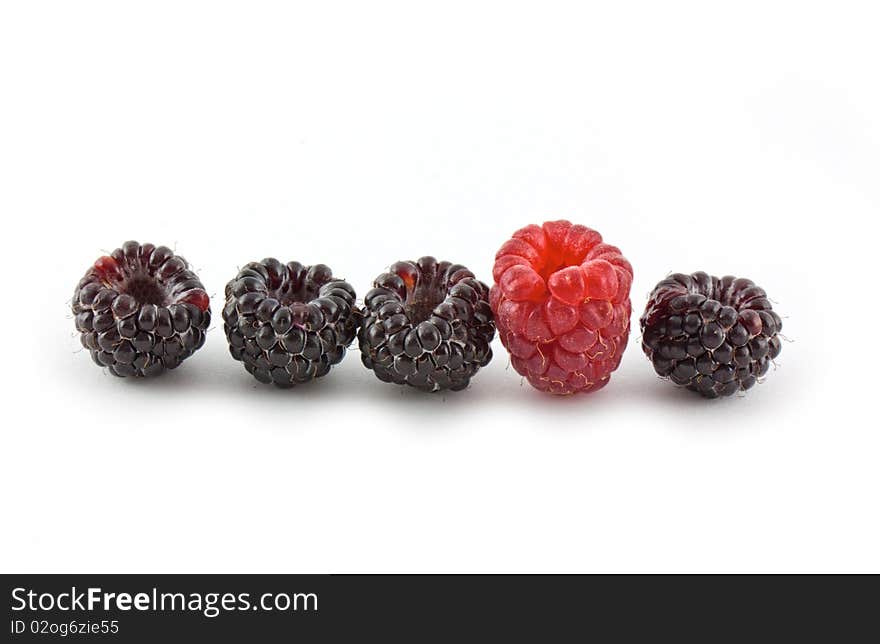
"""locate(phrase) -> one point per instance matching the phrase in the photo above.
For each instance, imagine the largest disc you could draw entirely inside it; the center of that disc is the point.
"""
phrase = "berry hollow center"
(423, 298)
(146, 290)
(291, 293)
(557, 258)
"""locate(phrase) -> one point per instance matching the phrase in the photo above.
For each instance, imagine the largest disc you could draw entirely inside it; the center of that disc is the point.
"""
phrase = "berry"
(288, 323)
(714, 336)
(427, 324)
(141, 310)
(561, 303)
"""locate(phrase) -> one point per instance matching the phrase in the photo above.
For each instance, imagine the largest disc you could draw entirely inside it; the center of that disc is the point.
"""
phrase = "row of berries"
(428, 324)
(561, 304)
(425, 324)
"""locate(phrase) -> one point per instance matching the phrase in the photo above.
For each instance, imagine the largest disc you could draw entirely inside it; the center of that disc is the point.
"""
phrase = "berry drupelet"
(714, 336)
(427, 324)
(289, 323)
(141, 310)
(561, 303)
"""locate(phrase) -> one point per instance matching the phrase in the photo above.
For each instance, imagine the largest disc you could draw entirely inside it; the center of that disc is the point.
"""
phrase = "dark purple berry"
(713, 336)
(141, 310)
(289, 323)
(427, 324)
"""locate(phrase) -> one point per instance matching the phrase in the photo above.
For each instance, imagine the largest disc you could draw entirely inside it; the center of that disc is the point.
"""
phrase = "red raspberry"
(561, 305)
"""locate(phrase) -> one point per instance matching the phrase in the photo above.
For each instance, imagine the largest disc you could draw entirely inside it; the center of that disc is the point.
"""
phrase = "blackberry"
(289, 323)
(427, 324)
(713, 336)
(141, 310)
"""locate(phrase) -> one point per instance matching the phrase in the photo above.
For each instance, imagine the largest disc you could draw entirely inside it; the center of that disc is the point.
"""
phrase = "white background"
(734, 138)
